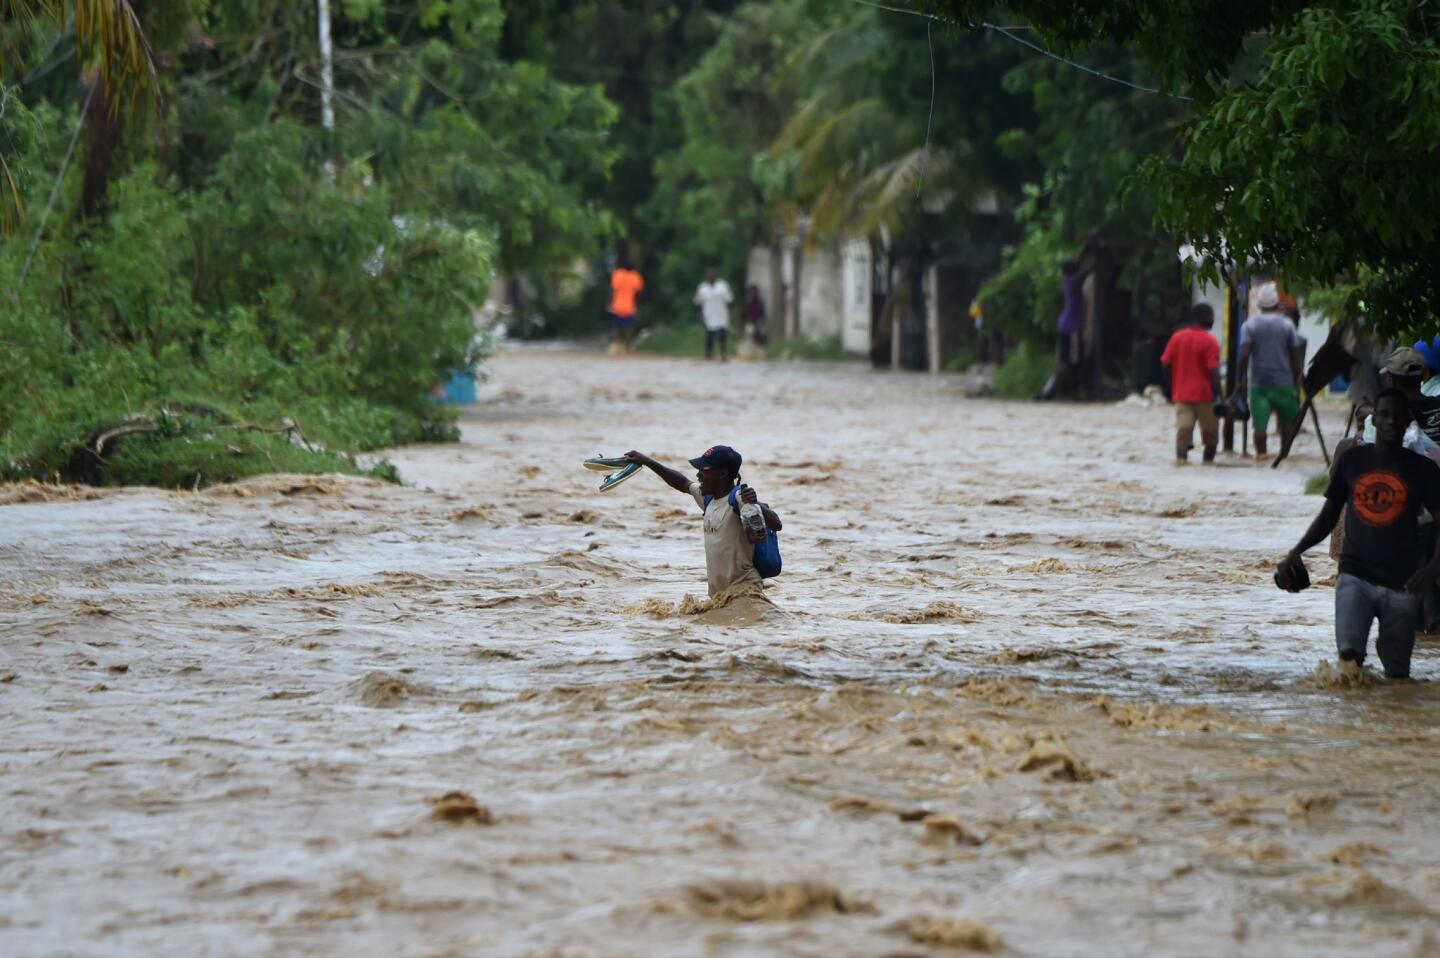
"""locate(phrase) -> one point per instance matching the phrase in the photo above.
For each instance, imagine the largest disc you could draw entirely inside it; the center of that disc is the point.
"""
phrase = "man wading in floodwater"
(1192, 367)
(729, 554)
(1385, 486)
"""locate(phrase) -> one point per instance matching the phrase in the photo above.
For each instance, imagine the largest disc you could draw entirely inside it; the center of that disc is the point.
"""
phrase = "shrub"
(1023, 373)
(686, 340)
(804, 348)
(217, 316)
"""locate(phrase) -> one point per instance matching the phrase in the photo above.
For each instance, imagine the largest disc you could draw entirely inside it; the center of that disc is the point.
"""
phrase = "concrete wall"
(857, 279)
(762, 270)
(835, 284)
(821, 292)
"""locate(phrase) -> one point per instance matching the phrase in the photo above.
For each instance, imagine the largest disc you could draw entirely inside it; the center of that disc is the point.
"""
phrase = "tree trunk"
(104, 134)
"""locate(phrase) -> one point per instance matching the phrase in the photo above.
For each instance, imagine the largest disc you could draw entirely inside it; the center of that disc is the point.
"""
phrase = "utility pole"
(932, 319)
(327, 68)
(1232, 351)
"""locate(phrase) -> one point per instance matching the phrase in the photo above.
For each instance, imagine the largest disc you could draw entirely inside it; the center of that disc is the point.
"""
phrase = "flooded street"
(1028, 688)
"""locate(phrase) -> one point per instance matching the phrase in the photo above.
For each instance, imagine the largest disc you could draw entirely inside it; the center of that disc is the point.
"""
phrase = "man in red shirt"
(1192, 367)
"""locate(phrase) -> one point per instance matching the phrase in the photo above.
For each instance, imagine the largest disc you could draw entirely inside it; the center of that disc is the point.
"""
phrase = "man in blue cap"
(1427, 402)
(729, 554)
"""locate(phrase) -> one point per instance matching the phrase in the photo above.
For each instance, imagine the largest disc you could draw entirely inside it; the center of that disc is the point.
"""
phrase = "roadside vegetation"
(202, 282)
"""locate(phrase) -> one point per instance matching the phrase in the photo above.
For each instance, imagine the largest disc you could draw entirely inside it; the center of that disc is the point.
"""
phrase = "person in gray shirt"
(1269, 345)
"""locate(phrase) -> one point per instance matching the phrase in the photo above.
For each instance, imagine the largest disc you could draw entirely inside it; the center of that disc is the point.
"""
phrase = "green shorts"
(1283, 399)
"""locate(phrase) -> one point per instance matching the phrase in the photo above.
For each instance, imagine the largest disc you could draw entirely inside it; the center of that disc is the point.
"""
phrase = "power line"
(881, 6)
(1080, 66)
(1009, 34)
(925, 157)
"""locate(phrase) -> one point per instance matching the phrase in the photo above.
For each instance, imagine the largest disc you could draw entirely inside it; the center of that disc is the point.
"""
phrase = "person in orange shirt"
(625, 285)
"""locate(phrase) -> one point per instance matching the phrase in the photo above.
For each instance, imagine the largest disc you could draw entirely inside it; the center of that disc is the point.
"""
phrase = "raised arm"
(673, 477)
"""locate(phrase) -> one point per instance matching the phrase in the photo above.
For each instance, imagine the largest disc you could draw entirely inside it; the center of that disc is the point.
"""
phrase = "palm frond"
(837, 137)
(887, 196)
(109, 30)
(831, 209)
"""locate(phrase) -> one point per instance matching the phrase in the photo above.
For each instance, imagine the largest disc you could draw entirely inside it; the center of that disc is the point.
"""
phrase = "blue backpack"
(767, 550)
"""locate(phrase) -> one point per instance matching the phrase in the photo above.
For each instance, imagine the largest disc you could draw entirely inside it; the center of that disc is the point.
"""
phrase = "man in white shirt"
(714, 298)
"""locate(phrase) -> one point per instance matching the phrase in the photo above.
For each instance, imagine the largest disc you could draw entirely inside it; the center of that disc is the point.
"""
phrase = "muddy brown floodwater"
(1029, 690)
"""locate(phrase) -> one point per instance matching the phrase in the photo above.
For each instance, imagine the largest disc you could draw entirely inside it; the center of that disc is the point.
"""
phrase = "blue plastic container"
(460, 390)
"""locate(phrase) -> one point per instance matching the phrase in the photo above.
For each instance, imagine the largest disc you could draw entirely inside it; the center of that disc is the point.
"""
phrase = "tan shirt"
(729, 554)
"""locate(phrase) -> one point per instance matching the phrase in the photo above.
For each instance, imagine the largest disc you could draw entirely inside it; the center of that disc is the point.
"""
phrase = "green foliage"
(1024, 372)
(431, 104)
(673, 340)
(269, 295)
(689, 340)
(961, 358)
(709, 203)
(1024, 299)
(1322, 165)
(1184, 41)
(204, 454)
(233, 261)
(1310, 146)
(639, 53)
(1317, 484)
(1088, 139)
(803, 348)
(859, 137)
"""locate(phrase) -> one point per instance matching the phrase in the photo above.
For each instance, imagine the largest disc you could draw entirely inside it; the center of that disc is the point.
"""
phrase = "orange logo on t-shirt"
(1379, 497)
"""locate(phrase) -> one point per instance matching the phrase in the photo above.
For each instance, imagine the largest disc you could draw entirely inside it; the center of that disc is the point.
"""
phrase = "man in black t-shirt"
(1385, 486)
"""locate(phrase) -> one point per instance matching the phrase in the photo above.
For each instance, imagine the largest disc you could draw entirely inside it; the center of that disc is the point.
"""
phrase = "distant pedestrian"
(625, 286)
(1268, 346)
(714, 298)
(1427, 406)
(755, 314)
(1192, 367)
(1068, 353)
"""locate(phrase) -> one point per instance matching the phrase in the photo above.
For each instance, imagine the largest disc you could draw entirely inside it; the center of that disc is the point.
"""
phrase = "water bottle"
(752, 519)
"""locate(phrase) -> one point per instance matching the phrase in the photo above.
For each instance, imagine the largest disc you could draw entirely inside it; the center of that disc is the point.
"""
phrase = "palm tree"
(108, 31)
(860, 156)
(868, 162)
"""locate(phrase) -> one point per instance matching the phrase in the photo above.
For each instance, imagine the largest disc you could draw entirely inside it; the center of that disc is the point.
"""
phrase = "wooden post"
(790, 283)
(1232, 354)
(932, 320)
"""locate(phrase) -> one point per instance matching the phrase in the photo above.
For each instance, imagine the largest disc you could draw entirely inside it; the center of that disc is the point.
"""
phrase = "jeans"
(713, 336)
(1357, 604)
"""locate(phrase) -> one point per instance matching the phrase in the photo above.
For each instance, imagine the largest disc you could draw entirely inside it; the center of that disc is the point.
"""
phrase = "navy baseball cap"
(718, 457)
